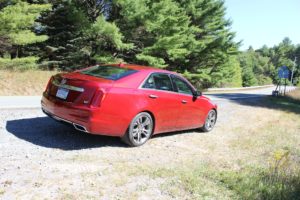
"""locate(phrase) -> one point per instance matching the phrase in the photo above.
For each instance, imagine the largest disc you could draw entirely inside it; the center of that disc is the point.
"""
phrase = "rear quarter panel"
(120, 104)
(118, 108)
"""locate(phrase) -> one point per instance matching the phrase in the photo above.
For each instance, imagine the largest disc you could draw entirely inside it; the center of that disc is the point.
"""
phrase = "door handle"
(184, 101)
(152, 96)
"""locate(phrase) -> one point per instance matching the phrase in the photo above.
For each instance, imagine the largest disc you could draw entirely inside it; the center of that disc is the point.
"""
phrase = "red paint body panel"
(120, 101)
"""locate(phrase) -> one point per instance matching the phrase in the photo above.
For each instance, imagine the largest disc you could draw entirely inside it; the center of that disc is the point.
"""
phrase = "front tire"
(139, 130)
(210, 121)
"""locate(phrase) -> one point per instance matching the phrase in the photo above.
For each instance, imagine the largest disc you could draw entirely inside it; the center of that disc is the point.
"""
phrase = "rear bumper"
(82, 118)
(63, 111)
(76, 126)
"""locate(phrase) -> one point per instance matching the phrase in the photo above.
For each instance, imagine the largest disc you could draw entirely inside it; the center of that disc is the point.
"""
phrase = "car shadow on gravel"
(46, 132)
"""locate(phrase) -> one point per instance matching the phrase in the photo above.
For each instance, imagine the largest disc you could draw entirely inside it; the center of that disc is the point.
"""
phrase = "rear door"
(162, 101)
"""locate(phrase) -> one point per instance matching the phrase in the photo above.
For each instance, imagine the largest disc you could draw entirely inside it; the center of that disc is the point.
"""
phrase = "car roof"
(134, 80)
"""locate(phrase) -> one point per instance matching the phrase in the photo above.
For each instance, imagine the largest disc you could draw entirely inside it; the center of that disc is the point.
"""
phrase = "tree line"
(260, 66)
(192, 37)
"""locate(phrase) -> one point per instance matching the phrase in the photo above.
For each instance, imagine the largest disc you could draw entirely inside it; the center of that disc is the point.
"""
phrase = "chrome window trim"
(167, 91)
(152, 73)
(69, 87)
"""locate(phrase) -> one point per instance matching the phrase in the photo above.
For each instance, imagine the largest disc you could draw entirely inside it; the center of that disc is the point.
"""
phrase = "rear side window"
(108, 72)
(159, 82)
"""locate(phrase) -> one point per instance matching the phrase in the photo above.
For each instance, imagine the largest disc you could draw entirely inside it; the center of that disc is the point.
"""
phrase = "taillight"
(48, 84)
(97, 99)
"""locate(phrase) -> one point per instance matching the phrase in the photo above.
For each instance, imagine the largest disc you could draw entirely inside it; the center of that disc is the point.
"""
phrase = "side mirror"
(197, 94)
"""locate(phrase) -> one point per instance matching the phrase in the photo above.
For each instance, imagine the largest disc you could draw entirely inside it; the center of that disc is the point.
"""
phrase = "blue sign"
(284, 72)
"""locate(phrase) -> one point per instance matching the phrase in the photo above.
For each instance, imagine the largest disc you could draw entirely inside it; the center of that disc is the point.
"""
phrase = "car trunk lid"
(76, 88)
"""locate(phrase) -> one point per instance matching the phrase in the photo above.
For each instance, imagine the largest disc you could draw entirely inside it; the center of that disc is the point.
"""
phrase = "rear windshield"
(108, 72)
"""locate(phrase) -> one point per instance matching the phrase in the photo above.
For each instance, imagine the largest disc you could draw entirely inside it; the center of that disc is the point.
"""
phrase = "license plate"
(62, 93)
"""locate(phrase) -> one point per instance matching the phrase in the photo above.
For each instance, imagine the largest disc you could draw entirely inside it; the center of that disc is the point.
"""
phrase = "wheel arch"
(146, 111)
(215, 109)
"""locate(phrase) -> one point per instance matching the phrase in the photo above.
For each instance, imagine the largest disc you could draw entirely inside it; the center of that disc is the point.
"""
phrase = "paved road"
(256, 93)
(34, 101)
(20, 102)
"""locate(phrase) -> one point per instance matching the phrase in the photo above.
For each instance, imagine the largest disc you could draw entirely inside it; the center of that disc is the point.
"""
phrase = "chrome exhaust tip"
(80, 128)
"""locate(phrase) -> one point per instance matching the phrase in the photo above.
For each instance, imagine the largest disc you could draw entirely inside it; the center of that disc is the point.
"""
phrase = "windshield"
(108, 72)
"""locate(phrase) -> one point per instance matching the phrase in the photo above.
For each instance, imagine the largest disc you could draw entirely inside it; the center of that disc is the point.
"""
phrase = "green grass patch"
(279, 179)
(247, 183)
(255, 183)
(25, 63)
(290, 104)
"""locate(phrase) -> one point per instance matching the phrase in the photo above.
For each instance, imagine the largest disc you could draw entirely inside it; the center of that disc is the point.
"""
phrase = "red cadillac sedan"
(129, 101)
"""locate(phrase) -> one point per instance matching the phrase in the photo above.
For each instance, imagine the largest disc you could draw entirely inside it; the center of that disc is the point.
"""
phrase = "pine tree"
(79, 35)
(17, 20)
(64, 25)
(228, 75)
(214, 41)
(247, 65)
(191, 37)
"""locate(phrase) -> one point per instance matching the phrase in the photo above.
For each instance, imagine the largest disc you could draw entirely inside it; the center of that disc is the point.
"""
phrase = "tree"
(16, 23)
(191, 37)
(256, 68)
(5, 45)
(64, 25)
(247, 65)
(214, 40)
(283, 53)
(105, 41)
(229, 74)
(79, 35)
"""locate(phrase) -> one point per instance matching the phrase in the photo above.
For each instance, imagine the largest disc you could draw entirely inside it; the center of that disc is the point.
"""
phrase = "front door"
(189, 107)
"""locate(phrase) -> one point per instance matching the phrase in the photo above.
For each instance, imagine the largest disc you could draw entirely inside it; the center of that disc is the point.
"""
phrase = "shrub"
(25, 63)
(264, 80)
(279, 181)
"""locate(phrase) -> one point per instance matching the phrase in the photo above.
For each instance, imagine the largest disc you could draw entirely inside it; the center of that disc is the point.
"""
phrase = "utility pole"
(295, 60)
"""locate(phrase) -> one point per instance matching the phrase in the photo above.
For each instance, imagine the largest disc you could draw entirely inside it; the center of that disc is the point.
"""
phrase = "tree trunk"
(17, 52)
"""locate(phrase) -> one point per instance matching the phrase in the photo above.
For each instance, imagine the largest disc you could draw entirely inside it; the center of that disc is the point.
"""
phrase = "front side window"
(108, 72)
(159, 82)
(182, 86)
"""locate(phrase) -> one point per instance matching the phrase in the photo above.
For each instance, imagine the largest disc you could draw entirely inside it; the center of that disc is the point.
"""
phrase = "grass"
(23, 83)
(256, 183)
(289, 103)
(295, 95)
(252, 182)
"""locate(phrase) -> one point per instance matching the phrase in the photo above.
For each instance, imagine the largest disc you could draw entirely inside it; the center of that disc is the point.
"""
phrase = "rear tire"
(139, 130)
(210, 121)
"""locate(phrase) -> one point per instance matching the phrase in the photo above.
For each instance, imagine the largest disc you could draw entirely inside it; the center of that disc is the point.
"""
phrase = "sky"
(259, 22)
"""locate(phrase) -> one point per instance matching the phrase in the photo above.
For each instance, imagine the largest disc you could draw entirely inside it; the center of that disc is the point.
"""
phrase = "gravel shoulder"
(42, 158)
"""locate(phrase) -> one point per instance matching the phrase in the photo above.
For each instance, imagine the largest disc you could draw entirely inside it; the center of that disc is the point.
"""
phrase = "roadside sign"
(284, 72)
